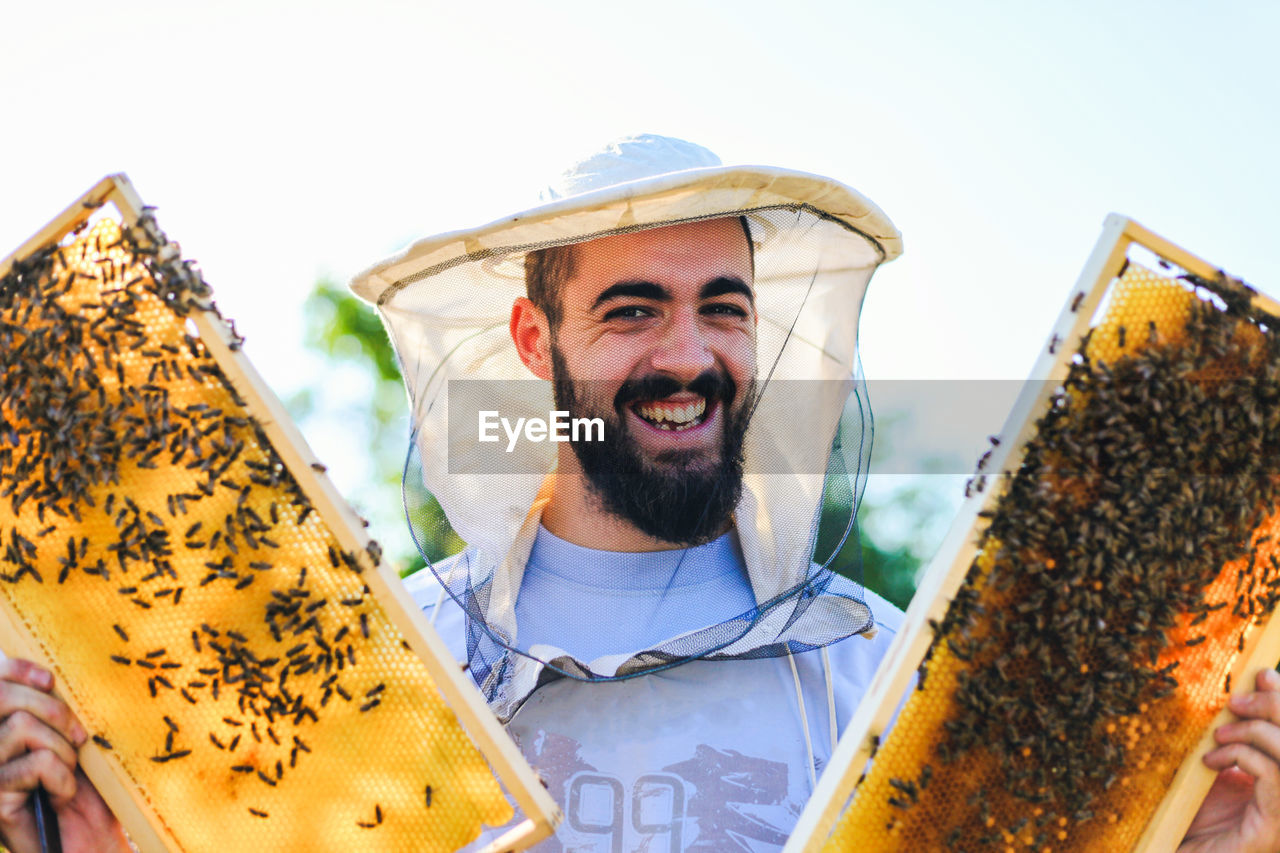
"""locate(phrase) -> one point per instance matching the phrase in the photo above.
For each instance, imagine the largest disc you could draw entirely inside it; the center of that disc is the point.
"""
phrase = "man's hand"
(1241, 814)
(38, 740)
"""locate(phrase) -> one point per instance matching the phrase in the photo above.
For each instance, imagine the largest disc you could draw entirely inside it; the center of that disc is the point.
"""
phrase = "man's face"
(658, 338)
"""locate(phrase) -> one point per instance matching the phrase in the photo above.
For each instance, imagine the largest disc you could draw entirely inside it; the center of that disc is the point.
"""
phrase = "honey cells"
(1119, 578)
(202, 619)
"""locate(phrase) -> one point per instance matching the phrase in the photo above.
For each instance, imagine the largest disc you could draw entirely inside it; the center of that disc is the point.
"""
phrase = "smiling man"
(653, 625)
(655, 333)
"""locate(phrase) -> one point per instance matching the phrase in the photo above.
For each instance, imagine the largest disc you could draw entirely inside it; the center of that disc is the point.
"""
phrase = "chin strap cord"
(435, 611)
(831, 700)
(804, 720)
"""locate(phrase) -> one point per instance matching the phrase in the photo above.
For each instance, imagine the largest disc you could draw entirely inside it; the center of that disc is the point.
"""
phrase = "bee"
(908, 788)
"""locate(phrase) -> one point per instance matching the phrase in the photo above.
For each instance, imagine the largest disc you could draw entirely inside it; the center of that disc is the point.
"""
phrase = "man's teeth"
(671, 416)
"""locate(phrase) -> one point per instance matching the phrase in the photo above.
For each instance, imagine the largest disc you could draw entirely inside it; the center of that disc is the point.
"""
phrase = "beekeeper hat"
(446, 302)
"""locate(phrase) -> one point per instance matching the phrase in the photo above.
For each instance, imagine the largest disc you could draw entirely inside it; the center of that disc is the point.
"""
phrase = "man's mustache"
(713, 385)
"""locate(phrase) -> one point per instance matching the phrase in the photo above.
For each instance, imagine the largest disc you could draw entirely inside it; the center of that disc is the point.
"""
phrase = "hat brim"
(677, 197)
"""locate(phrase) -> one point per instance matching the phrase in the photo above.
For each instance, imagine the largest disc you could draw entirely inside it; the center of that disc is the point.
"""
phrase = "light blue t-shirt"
(705, 756)
(593, 603)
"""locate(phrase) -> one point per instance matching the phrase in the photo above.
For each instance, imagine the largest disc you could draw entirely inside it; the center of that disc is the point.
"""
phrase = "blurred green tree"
(370, 409)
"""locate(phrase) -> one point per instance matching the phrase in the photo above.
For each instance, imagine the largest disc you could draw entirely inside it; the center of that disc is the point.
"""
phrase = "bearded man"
(669, 670)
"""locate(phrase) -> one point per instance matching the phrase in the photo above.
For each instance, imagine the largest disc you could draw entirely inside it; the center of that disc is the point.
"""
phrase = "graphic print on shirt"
(716, 800)
(727, 786)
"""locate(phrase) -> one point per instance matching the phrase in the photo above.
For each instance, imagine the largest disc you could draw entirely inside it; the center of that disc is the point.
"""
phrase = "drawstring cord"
(833, 731)
(831, 700)
(804, 720)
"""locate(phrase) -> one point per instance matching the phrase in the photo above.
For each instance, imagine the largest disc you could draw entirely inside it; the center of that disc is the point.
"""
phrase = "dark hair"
(546, 271)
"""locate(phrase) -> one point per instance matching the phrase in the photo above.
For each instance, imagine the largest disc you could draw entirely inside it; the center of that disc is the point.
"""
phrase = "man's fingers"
(26, 672)
(1262, 705)
(51, 711)
(1268, 679)
(22, 732)
(1250, 760)
(36, 768)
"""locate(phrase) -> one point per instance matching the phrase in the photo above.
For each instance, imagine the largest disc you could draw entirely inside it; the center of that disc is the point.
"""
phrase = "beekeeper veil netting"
(790, 405)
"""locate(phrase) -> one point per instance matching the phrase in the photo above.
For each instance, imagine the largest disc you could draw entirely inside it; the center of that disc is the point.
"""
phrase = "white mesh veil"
(447, 301)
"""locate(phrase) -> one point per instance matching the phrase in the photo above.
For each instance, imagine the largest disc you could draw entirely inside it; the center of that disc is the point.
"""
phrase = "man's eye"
(725, 309)
(628, 312)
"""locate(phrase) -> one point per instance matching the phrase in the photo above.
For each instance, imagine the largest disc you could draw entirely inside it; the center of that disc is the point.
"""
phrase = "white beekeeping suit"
(683, 721)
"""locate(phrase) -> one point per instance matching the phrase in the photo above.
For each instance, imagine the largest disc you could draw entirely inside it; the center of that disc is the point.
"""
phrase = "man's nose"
(684, 351)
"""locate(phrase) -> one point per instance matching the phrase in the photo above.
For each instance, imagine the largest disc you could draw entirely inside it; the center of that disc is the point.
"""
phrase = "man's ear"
(531, 333)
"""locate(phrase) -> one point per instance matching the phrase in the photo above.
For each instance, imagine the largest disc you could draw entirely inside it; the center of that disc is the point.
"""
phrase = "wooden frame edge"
(77, 212)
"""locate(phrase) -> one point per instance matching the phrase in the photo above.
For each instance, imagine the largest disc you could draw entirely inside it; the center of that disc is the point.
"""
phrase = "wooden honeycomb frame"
(1168, 824)
(541, 814)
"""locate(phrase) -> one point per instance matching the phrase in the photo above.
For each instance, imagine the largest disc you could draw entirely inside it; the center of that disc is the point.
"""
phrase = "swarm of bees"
(1124, 568)
(203, 620)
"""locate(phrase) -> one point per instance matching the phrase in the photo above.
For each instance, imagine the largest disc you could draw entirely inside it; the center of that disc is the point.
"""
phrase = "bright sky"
(285, 141)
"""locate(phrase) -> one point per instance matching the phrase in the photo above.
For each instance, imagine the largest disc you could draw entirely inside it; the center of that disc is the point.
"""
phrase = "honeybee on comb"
(170, 551)
(1090, 610)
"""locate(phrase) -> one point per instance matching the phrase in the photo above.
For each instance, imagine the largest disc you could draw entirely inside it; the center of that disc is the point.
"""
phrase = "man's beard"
(671, 498)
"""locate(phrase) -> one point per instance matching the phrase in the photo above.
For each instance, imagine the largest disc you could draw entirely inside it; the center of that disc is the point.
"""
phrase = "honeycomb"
(1121, 575)
(201, 617)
